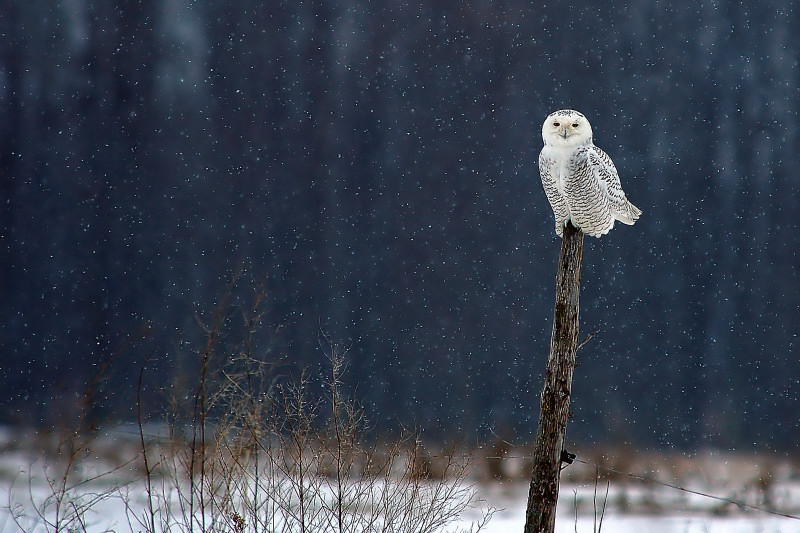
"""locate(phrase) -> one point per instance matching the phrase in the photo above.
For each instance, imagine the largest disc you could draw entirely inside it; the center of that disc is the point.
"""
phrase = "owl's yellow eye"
(575, 125)
(556, 124)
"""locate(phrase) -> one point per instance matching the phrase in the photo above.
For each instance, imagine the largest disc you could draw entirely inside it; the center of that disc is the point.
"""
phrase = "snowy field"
(109, 491)
(697, 518)
(109, 514)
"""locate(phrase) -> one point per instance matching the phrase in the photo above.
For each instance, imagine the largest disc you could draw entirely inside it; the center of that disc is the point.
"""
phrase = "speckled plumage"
(579, 179)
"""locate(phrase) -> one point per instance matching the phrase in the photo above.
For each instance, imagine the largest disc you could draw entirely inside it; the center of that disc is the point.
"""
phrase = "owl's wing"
(606, 174)
(608, 178)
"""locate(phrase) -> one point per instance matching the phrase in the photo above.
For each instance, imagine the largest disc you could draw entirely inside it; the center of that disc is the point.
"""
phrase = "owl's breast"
(560, 166)
(562, 174)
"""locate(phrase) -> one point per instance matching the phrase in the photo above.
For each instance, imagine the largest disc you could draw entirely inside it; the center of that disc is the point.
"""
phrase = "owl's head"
(566, 128)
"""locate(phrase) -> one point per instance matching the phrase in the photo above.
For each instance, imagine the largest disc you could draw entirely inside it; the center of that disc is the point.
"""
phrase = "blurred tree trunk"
(540, 515)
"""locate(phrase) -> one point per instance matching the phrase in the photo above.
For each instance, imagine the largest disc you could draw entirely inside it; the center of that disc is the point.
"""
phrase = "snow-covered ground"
(111, 493)
(509, 499)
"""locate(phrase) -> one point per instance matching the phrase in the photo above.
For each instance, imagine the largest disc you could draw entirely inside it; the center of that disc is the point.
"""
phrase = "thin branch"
(589, 337)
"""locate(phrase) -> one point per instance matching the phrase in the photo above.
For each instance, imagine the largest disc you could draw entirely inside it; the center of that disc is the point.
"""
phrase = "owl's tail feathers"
(628, 213)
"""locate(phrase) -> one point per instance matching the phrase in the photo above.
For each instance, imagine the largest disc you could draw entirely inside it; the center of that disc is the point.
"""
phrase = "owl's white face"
(566, 128)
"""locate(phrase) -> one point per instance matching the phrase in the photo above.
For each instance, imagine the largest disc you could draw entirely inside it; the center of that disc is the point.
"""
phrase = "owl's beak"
(564, 133)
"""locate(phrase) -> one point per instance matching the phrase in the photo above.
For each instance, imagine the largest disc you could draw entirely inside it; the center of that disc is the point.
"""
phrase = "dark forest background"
(373, 165)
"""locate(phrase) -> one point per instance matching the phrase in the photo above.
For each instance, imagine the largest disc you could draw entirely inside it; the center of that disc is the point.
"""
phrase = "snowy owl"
(580, 180)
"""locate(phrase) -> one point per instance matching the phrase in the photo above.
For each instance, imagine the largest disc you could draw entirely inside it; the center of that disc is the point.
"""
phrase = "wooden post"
(540, 516)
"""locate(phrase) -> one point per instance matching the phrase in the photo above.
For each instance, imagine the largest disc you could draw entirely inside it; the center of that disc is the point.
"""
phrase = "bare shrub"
(64, 503)
(65, 478)
(257, 453)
